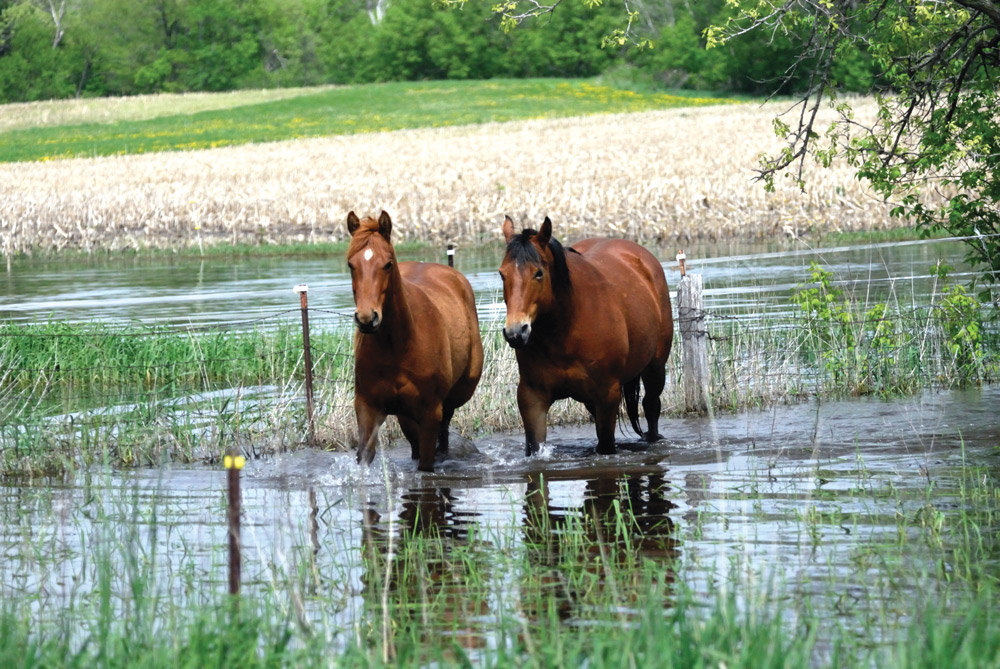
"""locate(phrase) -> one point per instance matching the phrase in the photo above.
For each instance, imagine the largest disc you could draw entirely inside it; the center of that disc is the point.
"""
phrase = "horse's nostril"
(524, 329)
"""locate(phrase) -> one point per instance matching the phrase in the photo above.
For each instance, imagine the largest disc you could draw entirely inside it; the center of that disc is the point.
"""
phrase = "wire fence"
(140, 393)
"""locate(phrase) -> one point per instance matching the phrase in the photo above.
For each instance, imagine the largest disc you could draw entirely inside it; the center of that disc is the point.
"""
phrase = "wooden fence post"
(451, 255)
(233, 464)
(694, 340)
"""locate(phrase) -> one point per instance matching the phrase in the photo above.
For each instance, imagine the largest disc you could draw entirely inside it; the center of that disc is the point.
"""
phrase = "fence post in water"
(694, 339)
(234, 463)
(451, 255)
(303, 291)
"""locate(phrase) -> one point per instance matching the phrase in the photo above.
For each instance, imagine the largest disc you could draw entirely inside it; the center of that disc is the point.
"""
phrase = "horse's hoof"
(653, 437)
(606, 449)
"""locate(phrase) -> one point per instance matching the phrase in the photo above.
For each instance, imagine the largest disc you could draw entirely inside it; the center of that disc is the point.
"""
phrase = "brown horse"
(588, 323)
(418, 354)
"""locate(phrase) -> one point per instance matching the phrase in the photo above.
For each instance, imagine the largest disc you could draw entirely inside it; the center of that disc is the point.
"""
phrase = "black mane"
(521, 250)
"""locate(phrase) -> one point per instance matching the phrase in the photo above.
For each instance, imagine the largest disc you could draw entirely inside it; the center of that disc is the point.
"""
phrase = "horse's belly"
(394, 396)
(574, 380)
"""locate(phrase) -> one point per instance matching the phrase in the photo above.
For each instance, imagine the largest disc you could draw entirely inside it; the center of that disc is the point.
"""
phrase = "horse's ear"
(508, 229)
(545, 233)
(352, 223)
(384, 225)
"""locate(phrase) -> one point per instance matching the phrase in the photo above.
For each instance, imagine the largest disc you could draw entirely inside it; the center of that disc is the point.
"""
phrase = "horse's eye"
(538, 275)
(501, 276)
(388, 266)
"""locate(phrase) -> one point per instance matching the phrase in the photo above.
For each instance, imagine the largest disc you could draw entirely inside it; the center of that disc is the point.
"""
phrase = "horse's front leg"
(533, 404)
(369, 420)
(606, 418)
(430, 425)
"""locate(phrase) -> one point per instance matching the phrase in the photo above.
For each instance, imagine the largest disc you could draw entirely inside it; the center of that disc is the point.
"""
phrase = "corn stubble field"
(658, 176)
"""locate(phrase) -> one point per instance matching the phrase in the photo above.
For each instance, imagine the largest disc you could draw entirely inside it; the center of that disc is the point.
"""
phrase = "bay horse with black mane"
(589, 323)
(418, 354)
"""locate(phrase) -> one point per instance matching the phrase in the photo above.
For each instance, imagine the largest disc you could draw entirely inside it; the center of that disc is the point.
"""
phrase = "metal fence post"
(303, 291)
(694, 340)
(451, 255)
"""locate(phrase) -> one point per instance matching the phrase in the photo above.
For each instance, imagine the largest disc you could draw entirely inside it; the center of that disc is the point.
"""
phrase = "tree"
(33, 62)
(931, 63)
(937, 128)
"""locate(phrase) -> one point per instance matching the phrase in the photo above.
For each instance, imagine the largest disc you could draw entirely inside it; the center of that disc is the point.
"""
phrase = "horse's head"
(372, 261)
(533, 272)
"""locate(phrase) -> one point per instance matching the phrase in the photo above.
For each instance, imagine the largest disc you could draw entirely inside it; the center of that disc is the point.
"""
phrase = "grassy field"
(116, 128)
(597, 160)
(92, 111)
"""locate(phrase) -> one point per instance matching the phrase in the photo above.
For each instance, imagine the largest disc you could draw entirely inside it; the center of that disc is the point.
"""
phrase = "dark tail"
(630, 393)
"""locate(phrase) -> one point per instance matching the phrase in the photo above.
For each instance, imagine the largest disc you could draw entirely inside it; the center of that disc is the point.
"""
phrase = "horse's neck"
(567, 307)
(396, 312)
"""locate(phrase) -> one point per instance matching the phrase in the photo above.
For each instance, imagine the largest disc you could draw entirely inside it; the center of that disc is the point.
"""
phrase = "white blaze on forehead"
(368, 254)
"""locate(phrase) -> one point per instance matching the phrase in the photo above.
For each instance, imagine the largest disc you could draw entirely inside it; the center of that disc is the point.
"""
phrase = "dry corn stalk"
(659, 176)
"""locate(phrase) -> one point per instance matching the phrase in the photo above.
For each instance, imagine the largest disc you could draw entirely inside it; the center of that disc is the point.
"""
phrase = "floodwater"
(800, 496)
(744, 278)
(793, 495)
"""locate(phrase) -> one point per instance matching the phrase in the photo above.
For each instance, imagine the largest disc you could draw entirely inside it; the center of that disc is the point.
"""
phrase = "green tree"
(937, 128)
(567, 43)
(35, 63)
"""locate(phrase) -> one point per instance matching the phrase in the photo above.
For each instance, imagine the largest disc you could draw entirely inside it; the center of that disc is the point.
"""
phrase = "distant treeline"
(67, 48)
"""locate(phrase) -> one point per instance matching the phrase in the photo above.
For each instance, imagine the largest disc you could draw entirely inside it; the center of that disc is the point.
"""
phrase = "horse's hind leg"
(654, 378)
(606, 417)
(442, 442)
(430, 426)
(411, 430)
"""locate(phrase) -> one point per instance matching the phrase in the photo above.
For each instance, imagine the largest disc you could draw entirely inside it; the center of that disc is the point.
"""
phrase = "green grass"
(337, 111)
(100, 355)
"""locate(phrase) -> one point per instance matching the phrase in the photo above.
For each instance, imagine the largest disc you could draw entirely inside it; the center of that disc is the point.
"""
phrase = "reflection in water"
(424, 577)
(623, 519)
(428, 576)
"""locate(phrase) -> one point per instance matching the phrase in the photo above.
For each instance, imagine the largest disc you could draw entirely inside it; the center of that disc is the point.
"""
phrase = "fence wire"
(61, 382)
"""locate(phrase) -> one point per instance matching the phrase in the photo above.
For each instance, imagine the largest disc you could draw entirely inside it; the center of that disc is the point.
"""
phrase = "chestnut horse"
(418, 354)
(587, 323)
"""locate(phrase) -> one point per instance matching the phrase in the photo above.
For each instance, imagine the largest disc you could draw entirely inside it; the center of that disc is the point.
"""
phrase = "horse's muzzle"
(369, 325)
(517, 335)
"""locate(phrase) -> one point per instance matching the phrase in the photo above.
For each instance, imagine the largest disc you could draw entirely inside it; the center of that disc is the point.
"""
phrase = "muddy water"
(795, 496)
(748, 278)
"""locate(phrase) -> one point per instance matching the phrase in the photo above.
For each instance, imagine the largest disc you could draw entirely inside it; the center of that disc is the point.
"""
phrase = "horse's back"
(446, 287)
(623, 262)
(443, 299)
(638, 283)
